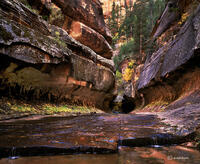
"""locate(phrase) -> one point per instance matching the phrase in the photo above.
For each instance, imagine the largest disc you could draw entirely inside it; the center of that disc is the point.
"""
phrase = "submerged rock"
(43, 61)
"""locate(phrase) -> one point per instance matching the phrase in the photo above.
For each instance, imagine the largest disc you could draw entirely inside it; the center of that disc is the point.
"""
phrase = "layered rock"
(170, 77)
(83, 20)
(42, 61)
(88, 37)
(180, 47)
(88, 12)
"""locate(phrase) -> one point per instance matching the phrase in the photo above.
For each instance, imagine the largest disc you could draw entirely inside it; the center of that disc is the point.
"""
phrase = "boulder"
(42, 61)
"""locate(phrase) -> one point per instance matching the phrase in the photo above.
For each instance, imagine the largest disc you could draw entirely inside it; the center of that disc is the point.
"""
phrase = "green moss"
(26, 34)
(5, 34)
(51, 109)
(59, 41)
(57, 33)
(45, 17)
(23, 108)
(48, 108)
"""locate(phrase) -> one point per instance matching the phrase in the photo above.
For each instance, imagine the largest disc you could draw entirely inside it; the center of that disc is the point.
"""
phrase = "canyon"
(59, 51)
(69, 62)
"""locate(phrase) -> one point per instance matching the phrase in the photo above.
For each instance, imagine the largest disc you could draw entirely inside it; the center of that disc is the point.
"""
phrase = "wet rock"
(83, 131)
(15, 153)
(97, 133)
(158, 139)
(169, 77)
(184, 113)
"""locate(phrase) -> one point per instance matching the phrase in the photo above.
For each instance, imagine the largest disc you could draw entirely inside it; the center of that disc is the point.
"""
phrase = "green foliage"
(134, 28)
(45, 17)
(23, 107)
(119, 78)
(51, 109)
(131, 64)
(58, 39)
(25, 2)
(56, 15)
(126, 50)
(118, 75)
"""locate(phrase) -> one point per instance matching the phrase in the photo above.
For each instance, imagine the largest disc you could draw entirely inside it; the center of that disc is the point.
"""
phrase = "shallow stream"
(89, 139)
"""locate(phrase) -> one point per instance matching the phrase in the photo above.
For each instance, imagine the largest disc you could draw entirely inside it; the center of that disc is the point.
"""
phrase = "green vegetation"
(58, 39)
(125, 76)
(45, 108)
(126, 51)
(133, 28)
(4, 34)
(119, 81)
(56, 15)
(50, 109)
(25, 2)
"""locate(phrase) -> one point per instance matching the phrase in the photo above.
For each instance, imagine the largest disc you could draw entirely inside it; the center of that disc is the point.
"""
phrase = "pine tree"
(136, 26)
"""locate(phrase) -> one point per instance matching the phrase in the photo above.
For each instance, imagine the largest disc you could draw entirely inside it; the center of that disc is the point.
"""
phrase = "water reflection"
(88, 130)
(161, 155)
(100, 131)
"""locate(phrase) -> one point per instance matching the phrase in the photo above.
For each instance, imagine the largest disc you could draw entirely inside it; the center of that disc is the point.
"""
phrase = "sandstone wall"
(82, 19)
(43, 61)
(165, 75)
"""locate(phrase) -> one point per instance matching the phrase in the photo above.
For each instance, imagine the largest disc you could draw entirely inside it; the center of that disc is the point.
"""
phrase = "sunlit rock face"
(82, 19)
(107, 6)
(43, 61)
(88, 37)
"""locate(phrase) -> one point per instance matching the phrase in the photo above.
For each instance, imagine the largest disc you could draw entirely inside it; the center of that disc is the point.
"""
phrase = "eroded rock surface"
(42, 60)
(83, 20)
(170, 76)
(175, 53)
